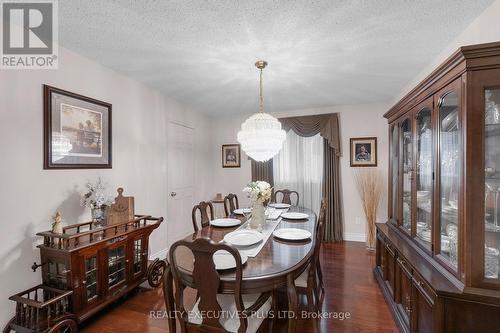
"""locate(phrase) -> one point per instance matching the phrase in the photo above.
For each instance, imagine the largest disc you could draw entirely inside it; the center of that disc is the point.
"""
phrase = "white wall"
(484, 29)
(29, 195)
(228, 180)
(355, 121)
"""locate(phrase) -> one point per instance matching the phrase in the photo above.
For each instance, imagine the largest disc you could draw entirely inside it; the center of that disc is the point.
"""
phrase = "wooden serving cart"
(84, 269)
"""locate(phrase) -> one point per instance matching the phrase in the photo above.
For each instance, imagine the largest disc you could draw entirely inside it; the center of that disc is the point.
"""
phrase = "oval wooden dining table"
(277, 265)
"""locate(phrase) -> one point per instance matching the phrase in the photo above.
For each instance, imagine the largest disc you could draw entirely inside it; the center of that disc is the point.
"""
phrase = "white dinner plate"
(243, 237)
(225, 260)
(225, 222)
(294, 216)
(280, 205)
(240, 211)
(292, 234)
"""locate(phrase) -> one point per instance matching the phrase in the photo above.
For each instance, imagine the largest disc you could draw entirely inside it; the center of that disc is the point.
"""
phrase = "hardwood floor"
(349, 284)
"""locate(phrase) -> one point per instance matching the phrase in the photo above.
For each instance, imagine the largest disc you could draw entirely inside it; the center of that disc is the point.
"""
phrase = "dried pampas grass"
(369, 185)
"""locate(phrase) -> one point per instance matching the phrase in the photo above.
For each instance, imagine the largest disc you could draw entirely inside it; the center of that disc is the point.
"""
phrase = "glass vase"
(370, 235)
(258, 215)
(99, 216)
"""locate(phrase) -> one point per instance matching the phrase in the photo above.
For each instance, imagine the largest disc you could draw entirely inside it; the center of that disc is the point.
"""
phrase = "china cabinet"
(438, 255)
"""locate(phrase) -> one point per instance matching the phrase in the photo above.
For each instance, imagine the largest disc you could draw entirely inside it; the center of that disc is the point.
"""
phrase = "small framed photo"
(231, 156)
(77, 131)
(364, 152)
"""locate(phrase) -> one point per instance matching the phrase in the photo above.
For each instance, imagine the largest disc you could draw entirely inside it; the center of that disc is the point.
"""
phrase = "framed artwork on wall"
(231, 156)
(364, 152)
(77, 131)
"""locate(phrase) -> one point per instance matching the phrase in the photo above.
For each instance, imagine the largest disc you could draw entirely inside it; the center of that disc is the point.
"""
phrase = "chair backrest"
(206, 280)
(286, 196)
(205, 219)
(320, 232)
(230, 203)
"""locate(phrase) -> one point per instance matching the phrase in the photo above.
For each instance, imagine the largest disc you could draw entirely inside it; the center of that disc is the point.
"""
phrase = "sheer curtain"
(299, 167)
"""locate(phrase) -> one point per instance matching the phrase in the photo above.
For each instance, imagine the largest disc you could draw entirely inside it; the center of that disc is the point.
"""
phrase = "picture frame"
(77, 131)
(363, 152)
(231, 156)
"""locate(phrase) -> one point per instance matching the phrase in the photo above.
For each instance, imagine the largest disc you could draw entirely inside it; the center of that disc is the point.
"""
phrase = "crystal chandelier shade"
(261, 136)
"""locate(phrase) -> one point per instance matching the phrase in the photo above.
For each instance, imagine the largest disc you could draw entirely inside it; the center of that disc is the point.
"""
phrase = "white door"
(181, 151)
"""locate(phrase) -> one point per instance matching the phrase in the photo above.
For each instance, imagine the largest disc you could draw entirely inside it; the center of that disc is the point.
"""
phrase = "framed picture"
(231, 156)
(364, 152)
(77, 131)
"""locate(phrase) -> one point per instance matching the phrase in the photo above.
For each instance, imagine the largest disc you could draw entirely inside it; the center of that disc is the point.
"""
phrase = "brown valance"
(325, 124)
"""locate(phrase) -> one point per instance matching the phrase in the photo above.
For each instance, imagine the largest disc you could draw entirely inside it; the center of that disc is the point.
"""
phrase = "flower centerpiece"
(98, 202)
(259, 192)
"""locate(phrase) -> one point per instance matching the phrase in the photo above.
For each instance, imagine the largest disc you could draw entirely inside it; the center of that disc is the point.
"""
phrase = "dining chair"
(205, 219)
(310, 282)
(286, 196)
(214, 311)
(230, 203)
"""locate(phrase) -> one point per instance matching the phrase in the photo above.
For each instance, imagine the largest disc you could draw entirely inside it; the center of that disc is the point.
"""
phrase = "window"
(299, 167)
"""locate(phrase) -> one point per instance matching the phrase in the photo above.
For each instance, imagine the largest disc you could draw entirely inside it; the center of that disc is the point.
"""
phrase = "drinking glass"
(247, 213)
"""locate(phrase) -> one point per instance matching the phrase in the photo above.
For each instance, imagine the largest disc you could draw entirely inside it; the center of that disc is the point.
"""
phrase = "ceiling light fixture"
(261, 136)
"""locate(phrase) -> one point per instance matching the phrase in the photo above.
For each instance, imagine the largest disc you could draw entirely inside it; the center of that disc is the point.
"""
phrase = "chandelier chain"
(261, 99)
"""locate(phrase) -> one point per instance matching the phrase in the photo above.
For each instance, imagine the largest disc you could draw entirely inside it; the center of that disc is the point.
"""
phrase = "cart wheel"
(156, 271)
(7, 328)
(65, 326)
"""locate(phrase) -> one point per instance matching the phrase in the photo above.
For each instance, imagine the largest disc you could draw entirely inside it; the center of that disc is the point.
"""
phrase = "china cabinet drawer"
(424, 288)
(405, 265)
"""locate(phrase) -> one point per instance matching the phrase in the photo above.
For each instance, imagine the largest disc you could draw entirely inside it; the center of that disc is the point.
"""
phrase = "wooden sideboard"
(84, 269)
(99, 265)
(438, 255)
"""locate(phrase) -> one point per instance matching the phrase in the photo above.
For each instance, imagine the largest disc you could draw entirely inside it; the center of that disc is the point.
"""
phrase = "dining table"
(275, 266)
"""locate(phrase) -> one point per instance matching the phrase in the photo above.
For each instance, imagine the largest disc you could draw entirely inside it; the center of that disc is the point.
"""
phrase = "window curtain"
(327, 125)
(299, 167)
(263, 171)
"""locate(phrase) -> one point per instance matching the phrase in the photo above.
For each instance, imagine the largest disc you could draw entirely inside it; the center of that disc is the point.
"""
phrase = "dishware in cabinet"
(448, 198)
(486, 234)
(407, 173)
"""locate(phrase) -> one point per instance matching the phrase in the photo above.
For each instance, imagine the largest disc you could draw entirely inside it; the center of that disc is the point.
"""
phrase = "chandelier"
(261, 136)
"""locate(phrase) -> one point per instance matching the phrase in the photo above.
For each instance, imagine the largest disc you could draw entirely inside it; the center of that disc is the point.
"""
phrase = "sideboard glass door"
(407, 165)
(423, 173)
(116, 266)
(91, 278)
(449, 176)
(492, 183)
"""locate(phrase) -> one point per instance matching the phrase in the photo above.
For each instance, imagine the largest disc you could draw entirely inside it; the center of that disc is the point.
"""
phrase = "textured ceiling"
(320, 53)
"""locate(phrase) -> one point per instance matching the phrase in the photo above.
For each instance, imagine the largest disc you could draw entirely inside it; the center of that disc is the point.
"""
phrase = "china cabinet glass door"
(449, 175)
(407, 174)
(394, 172)
(492, 183)
(423, 174)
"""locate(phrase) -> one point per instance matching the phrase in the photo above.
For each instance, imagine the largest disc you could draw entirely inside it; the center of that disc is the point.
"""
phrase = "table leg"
(293, 302)
(168, 294)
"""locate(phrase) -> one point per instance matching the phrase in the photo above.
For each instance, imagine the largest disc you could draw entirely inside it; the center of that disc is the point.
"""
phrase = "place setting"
(224, 260)
(292, 235)
(295, 216)
(226, 222)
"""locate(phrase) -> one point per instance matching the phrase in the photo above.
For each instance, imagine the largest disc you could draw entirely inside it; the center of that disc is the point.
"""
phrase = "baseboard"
(162, 254)
(354, 237)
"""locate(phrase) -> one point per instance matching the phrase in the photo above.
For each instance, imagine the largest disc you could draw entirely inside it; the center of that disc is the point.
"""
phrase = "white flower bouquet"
(95, 197)
(258, 191)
